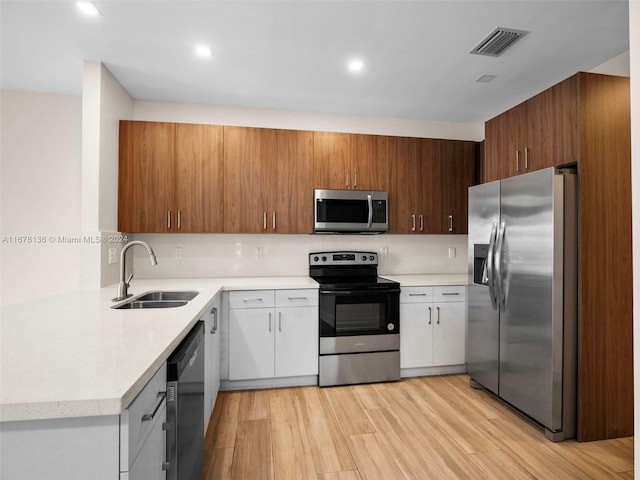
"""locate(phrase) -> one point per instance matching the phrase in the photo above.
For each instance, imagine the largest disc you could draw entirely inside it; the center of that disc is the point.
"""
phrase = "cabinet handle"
(273, 221)
(293, 299)
(417, 294)
(280, 321)
(518, 161)
(429, 315)
(526, 158)
(179, 222)
(214, 312)
(264, 220)
(346, 179)
(438, 320)
(168, 219)
(149, 416)
(269, 321)
(355, 178)
(450, 293)
(247, 300)
(413, 223)
(421, 223)
(451, 223)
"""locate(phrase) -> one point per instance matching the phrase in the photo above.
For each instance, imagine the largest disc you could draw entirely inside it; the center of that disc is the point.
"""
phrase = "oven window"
(360, 318)
(344, 314)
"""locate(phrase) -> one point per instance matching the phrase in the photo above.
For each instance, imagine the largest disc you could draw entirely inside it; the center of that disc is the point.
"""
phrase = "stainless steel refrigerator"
(522, 302)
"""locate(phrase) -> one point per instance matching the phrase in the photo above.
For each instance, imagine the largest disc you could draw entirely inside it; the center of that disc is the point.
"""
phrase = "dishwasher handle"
(149, 416)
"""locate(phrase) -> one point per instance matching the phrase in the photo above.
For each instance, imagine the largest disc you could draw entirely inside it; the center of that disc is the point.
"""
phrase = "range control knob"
(371, 257)
(364, 258)
(390, 327)
(324, 259)
(315, 259)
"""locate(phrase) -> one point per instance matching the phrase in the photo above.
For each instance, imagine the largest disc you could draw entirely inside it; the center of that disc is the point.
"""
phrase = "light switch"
(113, 255)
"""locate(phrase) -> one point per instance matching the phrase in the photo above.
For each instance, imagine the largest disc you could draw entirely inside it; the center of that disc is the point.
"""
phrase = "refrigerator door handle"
(489, 265)
(502, 301)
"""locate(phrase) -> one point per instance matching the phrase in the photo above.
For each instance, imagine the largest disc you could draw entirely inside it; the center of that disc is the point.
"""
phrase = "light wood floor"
(419, 428)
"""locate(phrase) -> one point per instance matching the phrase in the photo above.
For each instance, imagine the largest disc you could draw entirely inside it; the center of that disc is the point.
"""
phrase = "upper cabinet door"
(245, 208)
(370, 161)
(292, 188)
(457, 160)
(331, 164)
(404, 189)
(199, 178)
(146, 177)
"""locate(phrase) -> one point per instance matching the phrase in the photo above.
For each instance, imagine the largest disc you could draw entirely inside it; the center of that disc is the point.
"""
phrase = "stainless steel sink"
(158, 300)
(167, 296)
(152, 304)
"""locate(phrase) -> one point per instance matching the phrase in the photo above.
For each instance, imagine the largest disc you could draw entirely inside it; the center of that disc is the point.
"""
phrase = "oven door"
(359, 312)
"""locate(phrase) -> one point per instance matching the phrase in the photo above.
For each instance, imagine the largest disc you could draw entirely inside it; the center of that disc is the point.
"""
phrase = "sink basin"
(167, 296)
(159, 300)
(152, 304)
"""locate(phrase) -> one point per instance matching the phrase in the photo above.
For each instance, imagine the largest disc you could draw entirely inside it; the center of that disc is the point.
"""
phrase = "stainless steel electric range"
(359, 319)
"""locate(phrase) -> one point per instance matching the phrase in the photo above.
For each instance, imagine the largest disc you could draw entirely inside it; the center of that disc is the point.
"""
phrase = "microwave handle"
(370, 219)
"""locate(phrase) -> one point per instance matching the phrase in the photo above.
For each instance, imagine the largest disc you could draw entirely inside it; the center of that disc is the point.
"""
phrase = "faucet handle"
(129, 279)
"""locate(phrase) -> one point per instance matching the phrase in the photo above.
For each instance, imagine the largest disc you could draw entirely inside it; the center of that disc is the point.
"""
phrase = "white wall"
(618, 65)
(40, 137)
(634, 55)
(265, 118)
(105, 102)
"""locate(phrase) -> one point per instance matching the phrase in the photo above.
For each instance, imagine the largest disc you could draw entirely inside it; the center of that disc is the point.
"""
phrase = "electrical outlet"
(113, 255)
(259, 253)
(178, 253)
(384, 252)
(452, 252)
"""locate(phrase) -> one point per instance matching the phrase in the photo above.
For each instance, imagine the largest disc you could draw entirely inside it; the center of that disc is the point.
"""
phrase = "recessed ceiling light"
(88, 8)
(203, 51)
(356, 65)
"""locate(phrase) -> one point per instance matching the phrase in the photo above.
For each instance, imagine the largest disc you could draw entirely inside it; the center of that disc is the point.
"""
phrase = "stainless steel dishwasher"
(185, 407)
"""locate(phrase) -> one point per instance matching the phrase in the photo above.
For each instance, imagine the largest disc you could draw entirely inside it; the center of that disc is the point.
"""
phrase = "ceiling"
(292, 55)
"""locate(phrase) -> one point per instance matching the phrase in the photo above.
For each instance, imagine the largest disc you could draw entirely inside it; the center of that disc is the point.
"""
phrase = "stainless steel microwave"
(350, 211)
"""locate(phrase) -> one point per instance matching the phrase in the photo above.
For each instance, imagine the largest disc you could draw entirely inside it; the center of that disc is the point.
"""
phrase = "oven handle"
(370, 204)
(359, 292)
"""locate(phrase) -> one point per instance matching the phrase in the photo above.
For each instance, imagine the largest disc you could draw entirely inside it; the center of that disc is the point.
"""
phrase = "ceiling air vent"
(498, 41)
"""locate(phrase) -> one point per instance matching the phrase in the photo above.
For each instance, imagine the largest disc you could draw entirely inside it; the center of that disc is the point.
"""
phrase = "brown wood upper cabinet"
(268, 180)
(352, 161)
(170, 178)
(531, 135)
(429, 183)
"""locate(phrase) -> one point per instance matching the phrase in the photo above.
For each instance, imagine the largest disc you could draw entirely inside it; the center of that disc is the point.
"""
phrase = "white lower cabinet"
(212, 327)
(142, 438)
(273, 334)
(433, 326)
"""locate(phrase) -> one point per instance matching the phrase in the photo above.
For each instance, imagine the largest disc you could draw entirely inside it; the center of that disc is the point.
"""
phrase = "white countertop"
(72, 355)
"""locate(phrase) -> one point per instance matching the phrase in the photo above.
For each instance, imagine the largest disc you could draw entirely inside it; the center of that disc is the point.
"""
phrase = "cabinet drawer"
(416, 294)
(296, 298)
(453, 293)
(137, 421)
(251, 299)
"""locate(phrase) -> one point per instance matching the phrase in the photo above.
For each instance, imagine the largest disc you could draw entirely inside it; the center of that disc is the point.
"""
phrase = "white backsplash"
(228, 255)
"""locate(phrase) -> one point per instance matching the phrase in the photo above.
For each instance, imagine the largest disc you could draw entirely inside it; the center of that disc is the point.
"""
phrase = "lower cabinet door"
(449, 333)
(416, 335)
(296, 341)
(148, 463)
(251, 343)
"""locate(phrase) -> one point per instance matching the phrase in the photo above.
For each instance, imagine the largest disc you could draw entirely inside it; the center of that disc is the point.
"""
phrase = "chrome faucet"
(123, 286)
